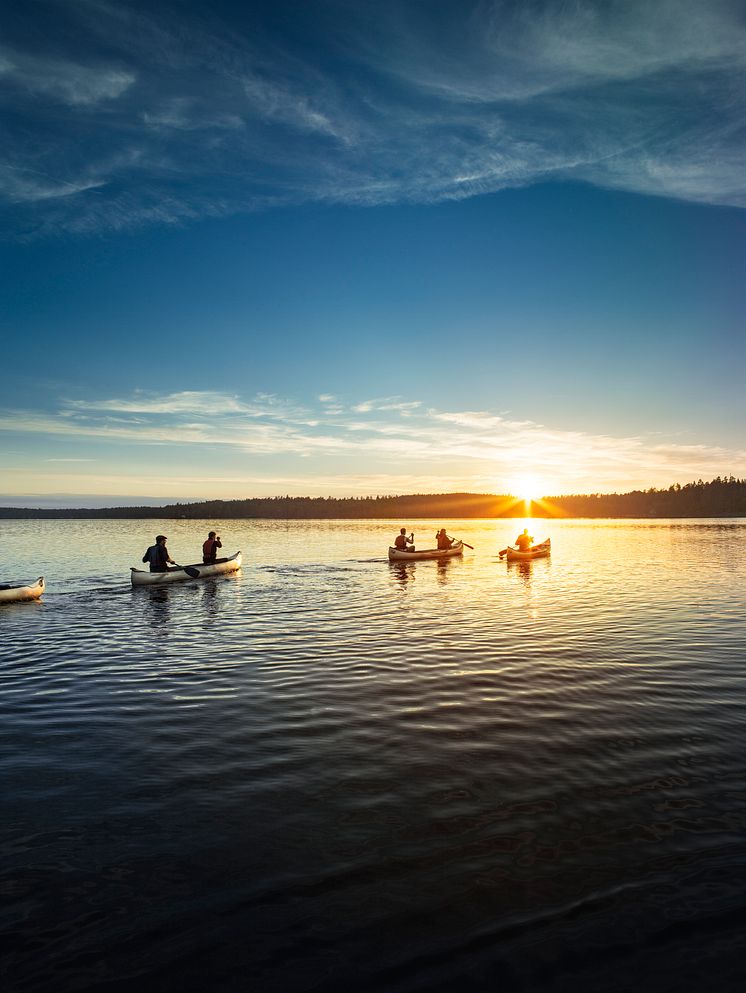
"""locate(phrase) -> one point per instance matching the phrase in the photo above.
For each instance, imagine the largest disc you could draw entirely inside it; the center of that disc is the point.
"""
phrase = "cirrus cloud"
(381, 104)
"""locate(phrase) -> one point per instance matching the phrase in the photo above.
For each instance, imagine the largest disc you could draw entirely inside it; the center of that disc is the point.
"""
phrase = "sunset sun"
(527, 488)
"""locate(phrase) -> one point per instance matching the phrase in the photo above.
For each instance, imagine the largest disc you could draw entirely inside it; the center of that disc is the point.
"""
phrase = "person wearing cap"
(157, 555)
(210, 548)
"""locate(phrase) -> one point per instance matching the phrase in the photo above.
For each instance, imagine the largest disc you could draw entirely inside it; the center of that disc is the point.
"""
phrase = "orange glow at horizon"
(527, 488)
(526, 493)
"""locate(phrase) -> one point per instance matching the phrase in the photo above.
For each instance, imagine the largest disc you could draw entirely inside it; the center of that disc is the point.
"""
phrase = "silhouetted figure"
(157, 555)
(443, 540)
(402, 541)
(524, 541)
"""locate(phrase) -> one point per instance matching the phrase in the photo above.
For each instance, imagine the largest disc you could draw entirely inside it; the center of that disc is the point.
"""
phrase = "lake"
(332, 773)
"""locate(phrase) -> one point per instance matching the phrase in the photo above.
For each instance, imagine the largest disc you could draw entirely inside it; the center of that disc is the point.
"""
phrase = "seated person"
(401, 541)
(443, 540)
(524, 541)
(157, 555)
(210, 548)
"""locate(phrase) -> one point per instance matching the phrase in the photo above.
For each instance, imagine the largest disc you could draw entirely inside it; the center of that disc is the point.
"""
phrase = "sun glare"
(527, 488)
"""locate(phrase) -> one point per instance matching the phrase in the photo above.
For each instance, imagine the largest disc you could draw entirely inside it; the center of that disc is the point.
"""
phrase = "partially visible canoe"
(142, 578)
(537, 552)
(16, 594)
(396, 555)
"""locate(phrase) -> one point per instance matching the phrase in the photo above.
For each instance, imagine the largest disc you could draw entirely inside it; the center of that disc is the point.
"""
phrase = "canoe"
(396, 555)
(142, 578)
(537, 552)
(16, 594)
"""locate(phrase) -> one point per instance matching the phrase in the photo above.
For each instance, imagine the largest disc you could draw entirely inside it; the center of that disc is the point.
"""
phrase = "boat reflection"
(404, 573)
(527, 572)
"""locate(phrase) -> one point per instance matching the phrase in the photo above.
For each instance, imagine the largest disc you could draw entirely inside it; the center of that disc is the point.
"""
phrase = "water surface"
(331, 773)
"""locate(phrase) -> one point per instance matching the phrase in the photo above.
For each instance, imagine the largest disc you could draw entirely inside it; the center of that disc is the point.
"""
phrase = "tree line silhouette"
(721, 497)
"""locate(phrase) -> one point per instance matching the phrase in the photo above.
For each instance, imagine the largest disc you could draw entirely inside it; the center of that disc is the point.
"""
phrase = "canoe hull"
(537, 552)
(142, 578)
(19, 594)
(395, 555)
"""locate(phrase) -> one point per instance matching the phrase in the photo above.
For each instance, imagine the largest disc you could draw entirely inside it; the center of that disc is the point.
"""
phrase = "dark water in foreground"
(329, 773)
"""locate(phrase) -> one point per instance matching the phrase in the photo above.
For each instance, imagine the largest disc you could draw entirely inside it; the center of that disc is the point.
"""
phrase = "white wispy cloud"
(392, 438)
(19, 185)
(384, 105)
(387, 403)
(64, 81)
(188, 114)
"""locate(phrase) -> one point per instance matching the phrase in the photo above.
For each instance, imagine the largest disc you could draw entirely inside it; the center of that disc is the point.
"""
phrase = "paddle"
(189, 570)
(468, 546)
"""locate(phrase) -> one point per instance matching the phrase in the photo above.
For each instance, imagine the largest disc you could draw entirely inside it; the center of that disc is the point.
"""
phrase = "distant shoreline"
(83, 516)
(721, 497)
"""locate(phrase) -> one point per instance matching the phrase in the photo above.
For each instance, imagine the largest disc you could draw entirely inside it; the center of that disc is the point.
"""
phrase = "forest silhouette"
(721, 497)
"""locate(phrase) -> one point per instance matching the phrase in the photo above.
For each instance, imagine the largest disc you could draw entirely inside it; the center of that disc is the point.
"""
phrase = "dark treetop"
(722, 497)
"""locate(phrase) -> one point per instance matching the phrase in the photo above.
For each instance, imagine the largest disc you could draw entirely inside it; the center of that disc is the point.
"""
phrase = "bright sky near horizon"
(382, 247)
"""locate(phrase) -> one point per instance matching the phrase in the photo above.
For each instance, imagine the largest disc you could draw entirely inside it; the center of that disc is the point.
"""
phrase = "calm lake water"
(329, 773)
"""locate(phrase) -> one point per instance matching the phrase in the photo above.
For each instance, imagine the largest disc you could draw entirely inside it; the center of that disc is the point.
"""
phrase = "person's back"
(158, 557)
(401, 541)
(210, 548)
(443, 540)
(524, 541)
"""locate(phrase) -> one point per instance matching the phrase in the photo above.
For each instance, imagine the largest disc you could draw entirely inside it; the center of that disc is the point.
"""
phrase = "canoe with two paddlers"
(17, 594)
(397, 555)
(179, 573)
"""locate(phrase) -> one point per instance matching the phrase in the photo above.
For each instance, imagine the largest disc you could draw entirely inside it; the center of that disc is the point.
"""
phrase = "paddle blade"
(188, 569)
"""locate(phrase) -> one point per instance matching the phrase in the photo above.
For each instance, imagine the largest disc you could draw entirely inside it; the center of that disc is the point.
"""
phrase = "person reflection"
(209, 598)
(403, 573)
(524, 571)
(159, 606)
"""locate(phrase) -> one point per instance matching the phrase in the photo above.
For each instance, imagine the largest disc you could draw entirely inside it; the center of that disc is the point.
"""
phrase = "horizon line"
(674, 487)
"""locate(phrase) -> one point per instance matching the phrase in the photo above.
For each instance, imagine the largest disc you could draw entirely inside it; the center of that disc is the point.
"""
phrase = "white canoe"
(395, 555)
(537, 552)
(142, 578)
(15, 594)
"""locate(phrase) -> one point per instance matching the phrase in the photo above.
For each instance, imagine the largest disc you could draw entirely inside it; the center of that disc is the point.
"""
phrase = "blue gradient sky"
(374, 248)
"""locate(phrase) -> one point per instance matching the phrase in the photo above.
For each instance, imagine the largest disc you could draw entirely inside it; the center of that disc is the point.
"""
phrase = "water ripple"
(329, 772)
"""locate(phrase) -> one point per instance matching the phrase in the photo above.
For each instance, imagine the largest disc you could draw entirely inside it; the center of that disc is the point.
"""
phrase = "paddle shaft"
(189, 570)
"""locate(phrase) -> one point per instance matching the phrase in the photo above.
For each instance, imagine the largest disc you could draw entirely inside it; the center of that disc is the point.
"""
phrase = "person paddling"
(157, 555)
(210, 548)
(402, 541)
(524, 541)
(443, 540)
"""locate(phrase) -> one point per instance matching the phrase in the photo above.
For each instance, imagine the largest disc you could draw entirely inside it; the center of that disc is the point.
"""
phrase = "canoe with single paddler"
(537, 552)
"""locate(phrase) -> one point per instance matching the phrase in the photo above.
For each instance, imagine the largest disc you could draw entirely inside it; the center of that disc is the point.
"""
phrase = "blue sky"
(336, 248)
